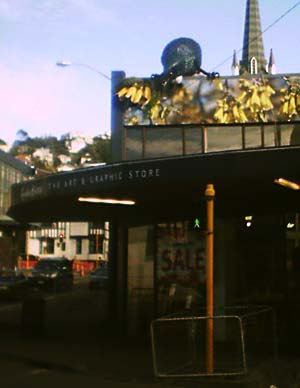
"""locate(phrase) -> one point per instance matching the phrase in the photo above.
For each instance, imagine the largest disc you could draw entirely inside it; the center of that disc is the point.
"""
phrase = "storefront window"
(140, 276)
(180, 269)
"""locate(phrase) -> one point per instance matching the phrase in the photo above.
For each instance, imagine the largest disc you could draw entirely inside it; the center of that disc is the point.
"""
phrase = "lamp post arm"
(92, 68)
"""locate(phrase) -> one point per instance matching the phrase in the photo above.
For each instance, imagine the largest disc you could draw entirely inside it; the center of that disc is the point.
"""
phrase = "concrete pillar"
(140, 278)
(117, 265)
(116, 118)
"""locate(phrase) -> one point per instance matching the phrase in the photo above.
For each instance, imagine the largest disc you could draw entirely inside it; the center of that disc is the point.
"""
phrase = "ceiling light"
(290, 225)
(106, 200)
(287, 183)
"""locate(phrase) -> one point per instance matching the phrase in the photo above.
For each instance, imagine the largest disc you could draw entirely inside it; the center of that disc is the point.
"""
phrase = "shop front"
(171, 137)
(157, 247)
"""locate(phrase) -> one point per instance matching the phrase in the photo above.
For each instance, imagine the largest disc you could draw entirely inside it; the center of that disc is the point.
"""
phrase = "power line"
(259, 35)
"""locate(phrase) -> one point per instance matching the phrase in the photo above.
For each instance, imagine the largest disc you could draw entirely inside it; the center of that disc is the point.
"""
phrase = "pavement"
(124, 364)
(81, 348)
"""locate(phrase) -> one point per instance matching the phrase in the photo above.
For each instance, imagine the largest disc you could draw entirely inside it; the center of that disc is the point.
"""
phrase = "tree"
(21, 138)
(100, 149)
(21, 135)
(29, 145)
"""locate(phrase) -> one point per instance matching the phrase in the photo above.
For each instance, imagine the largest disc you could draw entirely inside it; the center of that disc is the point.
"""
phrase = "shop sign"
(59, 183)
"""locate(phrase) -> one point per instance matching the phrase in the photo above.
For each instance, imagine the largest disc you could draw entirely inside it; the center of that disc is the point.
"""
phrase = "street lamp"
(68, 63)
(286, 183)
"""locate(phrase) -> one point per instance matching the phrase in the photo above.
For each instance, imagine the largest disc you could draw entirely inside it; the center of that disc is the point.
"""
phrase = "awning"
(166, 187)
(7, 221)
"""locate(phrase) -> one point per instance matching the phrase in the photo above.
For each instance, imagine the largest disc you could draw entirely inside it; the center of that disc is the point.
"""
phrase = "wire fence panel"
(179, 343)
(260, 336)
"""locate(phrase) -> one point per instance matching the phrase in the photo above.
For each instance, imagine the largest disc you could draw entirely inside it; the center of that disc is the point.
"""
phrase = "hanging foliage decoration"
(156, 102)
(290, 100)
(246, 100)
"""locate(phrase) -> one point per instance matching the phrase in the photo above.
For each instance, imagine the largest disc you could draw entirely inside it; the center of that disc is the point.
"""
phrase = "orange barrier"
(25, 264)
(79, 265)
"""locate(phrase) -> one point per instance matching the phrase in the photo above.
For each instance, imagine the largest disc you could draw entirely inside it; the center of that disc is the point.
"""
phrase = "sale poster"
(181, 264)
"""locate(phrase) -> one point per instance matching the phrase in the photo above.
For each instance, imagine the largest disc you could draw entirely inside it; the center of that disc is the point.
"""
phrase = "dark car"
(13, 284)
(53, 273)
(99, 278)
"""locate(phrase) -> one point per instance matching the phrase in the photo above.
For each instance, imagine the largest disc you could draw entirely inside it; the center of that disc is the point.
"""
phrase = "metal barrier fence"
(243, 337)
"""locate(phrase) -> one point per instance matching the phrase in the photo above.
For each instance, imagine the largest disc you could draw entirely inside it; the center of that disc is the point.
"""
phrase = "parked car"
(99, 278)
(52, 273)
(13, 284)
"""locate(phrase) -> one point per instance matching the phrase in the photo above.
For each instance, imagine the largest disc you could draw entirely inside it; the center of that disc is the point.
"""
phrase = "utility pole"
(210, 195)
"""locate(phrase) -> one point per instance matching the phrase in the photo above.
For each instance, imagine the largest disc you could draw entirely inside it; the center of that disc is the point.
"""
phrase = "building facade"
(12, 235)
(86, 243)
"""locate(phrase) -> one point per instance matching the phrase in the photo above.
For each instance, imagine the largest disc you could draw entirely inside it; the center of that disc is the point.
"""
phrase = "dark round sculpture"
(183, 53)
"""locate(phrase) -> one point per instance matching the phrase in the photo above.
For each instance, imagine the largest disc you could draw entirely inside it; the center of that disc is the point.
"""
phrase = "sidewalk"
(102, 354)
(127, 363)
(78, 346)
(116, 363)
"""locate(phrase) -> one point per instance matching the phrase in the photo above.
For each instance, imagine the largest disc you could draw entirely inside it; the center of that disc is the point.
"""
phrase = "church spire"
(253, 58)
(235, 67)
(271, 64)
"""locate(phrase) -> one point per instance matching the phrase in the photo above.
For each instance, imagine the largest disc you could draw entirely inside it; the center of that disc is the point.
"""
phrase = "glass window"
(96, 243)
(162, 142)
(253, 65)
(140, 276)
(99, 243)
(78, 246)
(92, 244)
(253, 137)
(134, 144)
(180, 269)
(96, 225)
(269, 135)
(224, 138)
(193, 140)
(48, 246)
(290, 134)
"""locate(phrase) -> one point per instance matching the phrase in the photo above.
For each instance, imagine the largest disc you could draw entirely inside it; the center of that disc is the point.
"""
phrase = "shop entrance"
(166, 271)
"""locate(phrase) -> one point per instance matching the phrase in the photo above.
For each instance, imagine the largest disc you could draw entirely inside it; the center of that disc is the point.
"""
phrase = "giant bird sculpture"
(181, 57)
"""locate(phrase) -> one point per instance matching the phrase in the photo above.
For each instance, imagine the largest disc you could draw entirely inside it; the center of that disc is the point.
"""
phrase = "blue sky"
(128, 35)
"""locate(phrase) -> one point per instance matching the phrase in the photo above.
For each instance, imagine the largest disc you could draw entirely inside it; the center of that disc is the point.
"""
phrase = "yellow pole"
(97, 249)
(210, 194)
(27, 248)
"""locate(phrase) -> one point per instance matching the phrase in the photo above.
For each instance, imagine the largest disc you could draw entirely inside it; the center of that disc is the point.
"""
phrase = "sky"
(44, 99)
